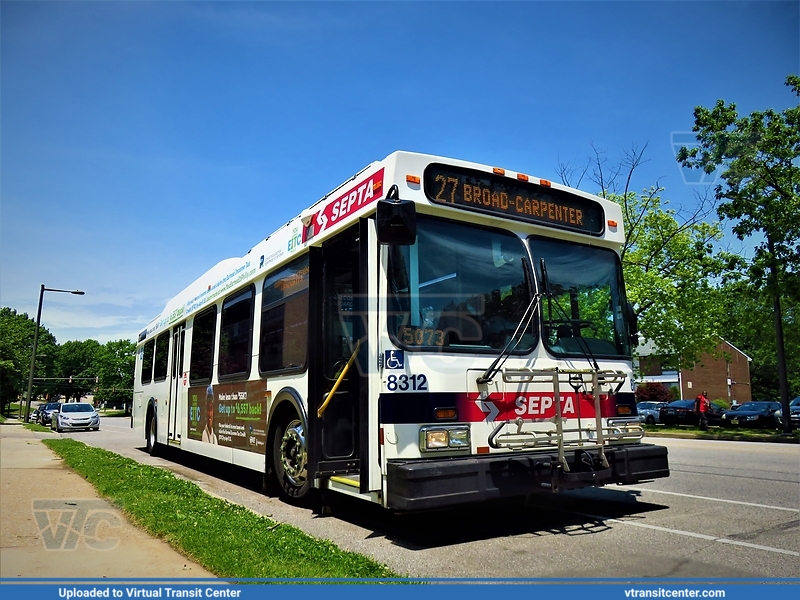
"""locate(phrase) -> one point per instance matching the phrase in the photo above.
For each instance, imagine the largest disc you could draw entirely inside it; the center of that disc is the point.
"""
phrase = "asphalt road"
(729, 510)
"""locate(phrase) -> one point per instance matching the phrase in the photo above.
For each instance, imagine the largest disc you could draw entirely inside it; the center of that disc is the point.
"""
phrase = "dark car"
(794, 414)
(681, 412)
(46, 412)
(752, 414)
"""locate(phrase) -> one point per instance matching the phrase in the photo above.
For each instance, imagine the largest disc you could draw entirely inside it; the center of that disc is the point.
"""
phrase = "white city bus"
(431, 332)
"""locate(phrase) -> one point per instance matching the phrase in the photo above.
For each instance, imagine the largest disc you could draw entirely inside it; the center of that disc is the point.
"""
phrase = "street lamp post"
(42, 290)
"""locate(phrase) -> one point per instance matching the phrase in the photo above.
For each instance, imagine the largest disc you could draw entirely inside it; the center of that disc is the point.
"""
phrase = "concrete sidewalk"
(53, 524)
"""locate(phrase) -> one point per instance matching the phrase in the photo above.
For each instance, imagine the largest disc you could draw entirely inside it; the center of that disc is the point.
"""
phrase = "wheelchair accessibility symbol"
(394, 359)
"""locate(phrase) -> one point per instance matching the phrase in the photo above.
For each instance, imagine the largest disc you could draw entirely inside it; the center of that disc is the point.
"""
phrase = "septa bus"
(431, 332)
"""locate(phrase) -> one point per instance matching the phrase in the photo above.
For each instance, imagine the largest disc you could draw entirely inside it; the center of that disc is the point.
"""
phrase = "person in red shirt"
(701, 408)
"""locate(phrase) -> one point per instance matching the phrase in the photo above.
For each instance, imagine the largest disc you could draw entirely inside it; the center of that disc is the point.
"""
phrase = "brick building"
(725, 376)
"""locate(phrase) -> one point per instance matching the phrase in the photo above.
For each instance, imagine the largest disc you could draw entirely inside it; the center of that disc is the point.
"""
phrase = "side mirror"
(396, 220)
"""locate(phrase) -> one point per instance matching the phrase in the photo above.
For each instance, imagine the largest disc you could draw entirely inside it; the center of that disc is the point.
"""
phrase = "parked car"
(46, 411)
(75, 415)
(794, 412)
(681, 412)
(649, 412)
(752, 414)
(34, 416)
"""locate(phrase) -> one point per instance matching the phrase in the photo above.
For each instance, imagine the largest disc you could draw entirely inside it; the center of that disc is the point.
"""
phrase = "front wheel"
(289, 458)
(650, 420)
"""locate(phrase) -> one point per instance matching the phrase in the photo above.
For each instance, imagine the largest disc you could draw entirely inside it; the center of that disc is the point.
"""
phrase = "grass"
(731, 433)
(227, 539)
(37, 427)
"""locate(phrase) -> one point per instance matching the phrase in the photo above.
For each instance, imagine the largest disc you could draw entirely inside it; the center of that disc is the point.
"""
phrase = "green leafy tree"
(749, 324)
(760, 189)
(116, 363)
(16, 343)
(77, 367)
(669, 260)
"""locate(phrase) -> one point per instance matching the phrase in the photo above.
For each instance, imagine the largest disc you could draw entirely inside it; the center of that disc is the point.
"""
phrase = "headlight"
(753, 418)
(454, 437)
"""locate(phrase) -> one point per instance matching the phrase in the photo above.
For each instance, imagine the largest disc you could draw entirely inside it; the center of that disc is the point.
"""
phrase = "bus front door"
(341, 327)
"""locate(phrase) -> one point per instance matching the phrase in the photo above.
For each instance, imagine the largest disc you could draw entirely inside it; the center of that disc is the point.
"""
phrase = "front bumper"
(426, 484)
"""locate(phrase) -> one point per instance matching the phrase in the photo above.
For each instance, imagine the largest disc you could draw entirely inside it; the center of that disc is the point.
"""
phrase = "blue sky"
(142, 142)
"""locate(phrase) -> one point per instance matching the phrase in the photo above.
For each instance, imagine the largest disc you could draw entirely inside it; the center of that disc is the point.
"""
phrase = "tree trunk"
(781, 350)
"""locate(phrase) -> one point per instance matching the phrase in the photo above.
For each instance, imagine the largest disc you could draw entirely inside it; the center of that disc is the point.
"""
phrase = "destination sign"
(520, 200)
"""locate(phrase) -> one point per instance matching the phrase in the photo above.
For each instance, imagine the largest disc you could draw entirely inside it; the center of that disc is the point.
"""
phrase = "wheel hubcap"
(293, 453)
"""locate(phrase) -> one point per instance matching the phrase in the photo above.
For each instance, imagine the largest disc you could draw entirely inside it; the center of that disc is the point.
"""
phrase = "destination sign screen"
(504, 197)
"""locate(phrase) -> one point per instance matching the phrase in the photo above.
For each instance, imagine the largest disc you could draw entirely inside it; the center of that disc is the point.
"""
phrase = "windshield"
(458, 288)
(583, 313)
(758, 406)
(74, 408)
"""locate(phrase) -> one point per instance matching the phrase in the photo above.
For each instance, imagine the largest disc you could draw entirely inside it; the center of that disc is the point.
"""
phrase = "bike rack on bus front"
(587, 438)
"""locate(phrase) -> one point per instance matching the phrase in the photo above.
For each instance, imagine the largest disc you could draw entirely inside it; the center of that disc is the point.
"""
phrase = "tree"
(77, 368)
(669, 260)
(16, 343)
(652, 392)
(116, 364)
(749, 324)
(761, 189)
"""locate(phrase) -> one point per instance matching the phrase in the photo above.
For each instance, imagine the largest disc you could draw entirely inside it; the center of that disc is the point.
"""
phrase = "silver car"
(75, 415)
(648, 412)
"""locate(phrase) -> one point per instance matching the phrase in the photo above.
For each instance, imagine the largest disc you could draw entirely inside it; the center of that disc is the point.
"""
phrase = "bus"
(431, 332)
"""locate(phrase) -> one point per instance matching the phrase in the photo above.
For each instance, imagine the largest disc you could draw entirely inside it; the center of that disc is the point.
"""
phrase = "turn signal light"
(445, 414)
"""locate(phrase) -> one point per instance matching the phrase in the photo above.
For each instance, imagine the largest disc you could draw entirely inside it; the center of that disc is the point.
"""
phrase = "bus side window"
(162, 356)
(284, 320)
(236, 333)
(204, 330)
(147, 361)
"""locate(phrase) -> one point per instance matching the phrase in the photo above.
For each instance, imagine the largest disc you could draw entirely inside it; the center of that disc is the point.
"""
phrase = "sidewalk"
(53, 524)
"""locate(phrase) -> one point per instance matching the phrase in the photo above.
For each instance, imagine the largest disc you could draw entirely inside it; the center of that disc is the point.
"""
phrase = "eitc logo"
(295, 241)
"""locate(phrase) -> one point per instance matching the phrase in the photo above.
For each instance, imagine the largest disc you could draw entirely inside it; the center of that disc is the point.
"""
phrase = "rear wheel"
(289, 457)
(650, 420)
(150, 431)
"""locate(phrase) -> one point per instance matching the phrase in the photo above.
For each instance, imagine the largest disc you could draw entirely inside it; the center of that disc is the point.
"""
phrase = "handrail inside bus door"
(329, 397)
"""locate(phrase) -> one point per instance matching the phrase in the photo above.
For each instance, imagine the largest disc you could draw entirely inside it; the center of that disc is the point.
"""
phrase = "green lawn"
(740, 433)
(227, 539)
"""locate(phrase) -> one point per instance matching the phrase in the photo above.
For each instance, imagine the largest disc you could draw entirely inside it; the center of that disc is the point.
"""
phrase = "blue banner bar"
(20, 589)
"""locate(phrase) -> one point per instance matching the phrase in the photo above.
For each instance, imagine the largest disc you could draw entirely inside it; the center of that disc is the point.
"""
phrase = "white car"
(75, 415)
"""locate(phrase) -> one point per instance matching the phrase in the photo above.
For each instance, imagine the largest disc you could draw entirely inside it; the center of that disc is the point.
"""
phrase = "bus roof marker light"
(498, 171)
(545, 183)
(522, 177)
(413, 179)
(612, 223)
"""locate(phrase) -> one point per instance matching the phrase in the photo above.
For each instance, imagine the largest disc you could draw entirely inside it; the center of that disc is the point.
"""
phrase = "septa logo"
(360, 195)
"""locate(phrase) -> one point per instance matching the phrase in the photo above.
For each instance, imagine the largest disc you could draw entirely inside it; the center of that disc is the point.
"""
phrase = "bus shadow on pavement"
(571, 514)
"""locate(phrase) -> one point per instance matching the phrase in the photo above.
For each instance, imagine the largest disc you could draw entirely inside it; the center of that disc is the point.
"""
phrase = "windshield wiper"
(583, 345)
(516, 337)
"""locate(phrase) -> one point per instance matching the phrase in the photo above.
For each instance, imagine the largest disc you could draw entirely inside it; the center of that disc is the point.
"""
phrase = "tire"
(650, 420)
(289, 456)
(150, 433)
